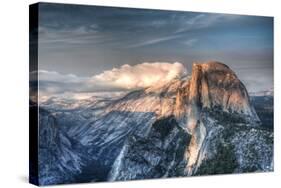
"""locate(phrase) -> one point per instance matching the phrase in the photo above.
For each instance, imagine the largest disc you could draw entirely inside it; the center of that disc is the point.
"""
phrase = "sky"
(93, 48)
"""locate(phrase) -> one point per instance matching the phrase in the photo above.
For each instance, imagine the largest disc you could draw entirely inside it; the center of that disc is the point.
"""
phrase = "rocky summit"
(200, 124)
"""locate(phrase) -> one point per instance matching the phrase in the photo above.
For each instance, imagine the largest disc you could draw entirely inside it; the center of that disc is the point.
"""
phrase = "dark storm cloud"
(87, 40)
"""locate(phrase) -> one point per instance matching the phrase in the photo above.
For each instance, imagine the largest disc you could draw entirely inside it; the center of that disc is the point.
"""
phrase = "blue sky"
(88, 40)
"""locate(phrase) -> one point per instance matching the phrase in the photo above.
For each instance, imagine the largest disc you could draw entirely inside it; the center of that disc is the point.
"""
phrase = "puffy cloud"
(127, 77)
(141, 75)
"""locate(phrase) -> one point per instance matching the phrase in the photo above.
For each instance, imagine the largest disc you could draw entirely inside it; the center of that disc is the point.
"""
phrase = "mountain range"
(202, 124)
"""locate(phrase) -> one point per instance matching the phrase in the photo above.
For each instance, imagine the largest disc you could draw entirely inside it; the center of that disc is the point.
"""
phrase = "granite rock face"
(215, 85)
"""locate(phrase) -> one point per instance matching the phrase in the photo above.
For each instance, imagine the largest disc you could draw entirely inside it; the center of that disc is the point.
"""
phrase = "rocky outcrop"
(215, 85)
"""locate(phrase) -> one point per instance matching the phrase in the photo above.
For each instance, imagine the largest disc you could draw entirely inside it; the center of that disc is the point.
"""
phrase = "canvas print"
(132, 94)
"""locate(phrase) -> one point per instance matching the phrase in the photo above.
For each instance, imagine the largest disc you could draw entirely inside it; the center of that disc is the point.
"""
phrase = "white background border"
(14, 90)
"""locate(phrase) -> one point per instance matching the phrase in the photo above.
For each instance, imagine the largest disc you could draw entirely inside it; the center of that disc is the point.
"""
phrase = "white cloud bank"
(140, 75)
(127, 77)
